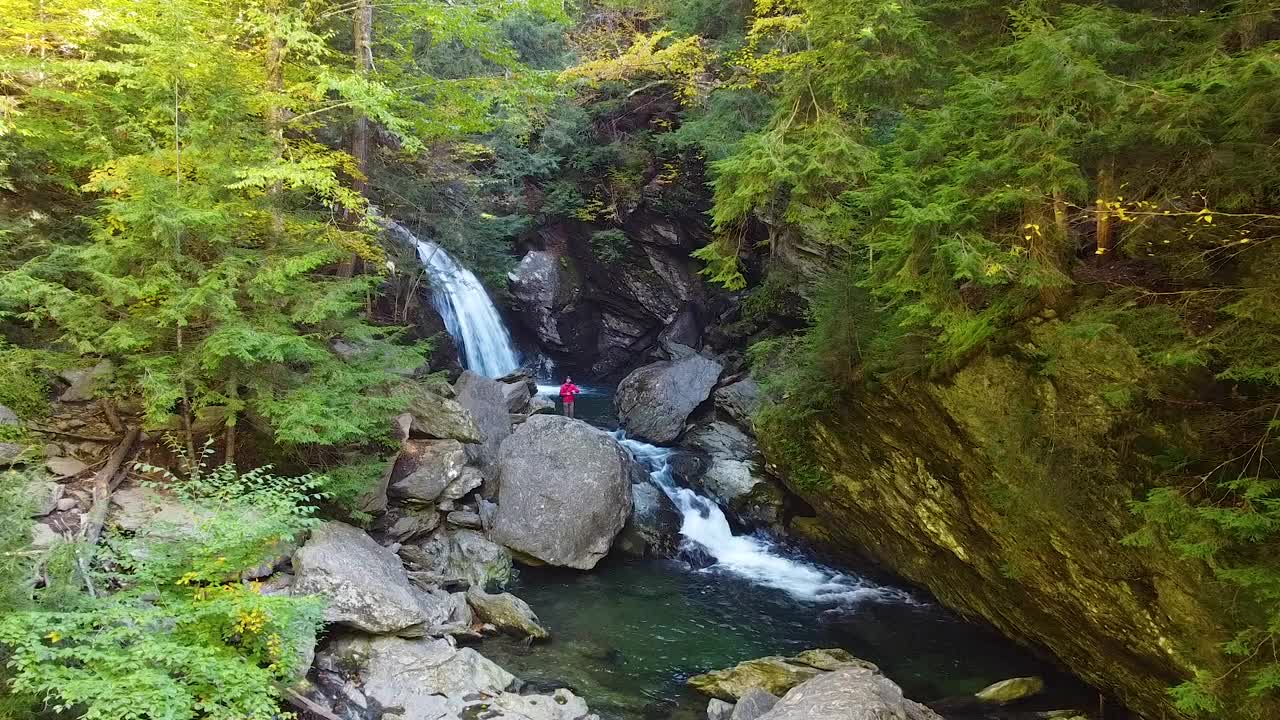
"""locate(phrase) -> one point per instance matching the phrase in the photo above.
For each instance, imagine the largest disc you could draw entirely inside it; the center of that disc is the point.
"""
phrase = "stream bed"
(627, 635)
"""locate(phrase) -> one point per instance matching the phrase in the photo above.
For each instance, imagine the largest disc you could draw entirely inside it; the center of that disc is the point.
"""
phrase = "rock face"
(363, 583)
(564, 491)
(655, 400)
(954, 486)
(425, 468)
(850, 693)
(739, 400)
(773, 674)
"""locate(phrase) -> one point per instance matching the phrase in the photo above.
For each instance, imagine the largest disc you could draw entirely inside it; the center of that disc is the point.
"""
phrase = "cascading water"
(750, 557)
(469, 315)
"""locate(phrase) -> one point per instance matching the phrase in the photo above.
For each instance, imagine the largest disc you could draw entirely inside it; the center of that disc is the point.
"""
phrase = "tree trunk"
(229, 435)
(275, 113)
(362, 42)
(1106, 190)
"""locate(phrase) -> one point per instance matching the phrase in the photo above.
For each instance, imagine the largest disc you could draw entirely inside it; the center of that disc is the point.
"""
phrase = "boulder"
(753, 705)
(732, 473)
(541, 404)
(465, 519)
(7, 416)
(739, 401)
(363, 583)
(44, 537)
(436, 417)
(422, 678)
(508, 612)
(561, 704)
(469, 479)
(773, 674)
(655, 400)
(485, 400)
(403, 524)
(564, 491)
(653, 530)
(517, 395)
(137, 509)
(45, 497)
(85, 383)
(65, 467)
(11, 453)
(1011, 690)
(718, 709)
(849, 693)
(460, 556)
(425, 468)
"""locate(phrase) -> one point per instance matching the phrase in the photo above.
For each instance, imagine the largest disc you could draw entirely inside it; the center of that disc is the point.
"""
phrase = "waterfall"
(750, 557)
(469, 315)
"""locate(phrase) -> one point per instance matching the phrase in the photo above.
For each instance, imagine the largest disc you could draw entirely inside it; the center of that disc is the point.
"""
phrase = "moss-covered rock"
(773, 674)
(1005, 491)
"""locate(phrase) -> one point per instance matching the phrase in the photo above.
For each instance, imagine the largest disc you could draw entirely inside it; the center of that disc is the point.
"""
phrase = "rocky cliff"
(1004, 490)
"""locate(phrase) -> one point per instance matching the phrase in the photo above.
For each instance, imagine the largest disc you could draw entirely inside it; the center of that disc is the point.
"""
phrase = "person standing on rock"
(568, 391)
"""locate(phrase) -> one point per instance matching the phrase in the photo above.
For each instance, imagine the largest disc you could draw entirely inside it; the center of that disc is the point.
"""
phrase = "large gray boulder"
(773, 674)
(425, 468)
(564, 492)
(486, 400)
(84, 384)
(655, 400)
(459, 556)
(849, 693)
(364, 584)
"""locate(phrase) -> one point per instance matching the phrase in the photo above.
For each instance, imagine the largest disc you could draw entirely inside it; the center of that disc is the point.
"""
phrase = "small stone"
(465, 519)
(1011, 690)
(753, 705)
(7, 416)
(11, 453)
(65, 467)
(46, 495)
(67, 503)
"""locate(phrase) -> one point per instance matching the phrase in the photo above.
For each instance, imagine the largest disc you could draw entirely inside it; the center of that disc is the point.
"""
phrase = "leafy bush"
(181, 635)
(609, 246)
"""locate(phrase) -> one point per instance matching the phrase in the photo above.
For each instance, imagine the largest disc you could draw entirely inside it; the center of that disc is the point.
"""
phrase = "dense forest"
(1051, 222)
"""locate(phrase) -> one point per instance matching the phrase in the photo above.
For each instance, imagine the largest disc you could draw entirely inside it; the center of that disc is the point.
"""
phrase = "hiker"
(567, 392)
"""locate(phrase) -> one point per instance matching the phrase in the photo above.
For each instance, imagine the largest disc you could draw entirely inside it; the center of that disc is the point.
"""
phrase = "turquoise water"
(627, 635)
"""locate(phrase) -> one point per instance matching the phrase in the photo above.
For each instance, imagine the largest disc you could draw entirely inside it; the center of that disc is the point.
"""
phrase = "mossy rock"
(773, 674)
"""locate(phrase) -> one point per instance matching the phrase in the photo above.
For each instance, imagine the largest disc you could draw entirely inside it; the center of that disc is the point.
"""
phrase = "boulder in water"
(364, 584)
(425, 468)
(849, 693)
(1011, 690)
(564, 491)
(773, 674)
(653, 530)
(734, 475)
(508, 612)
(655, 400)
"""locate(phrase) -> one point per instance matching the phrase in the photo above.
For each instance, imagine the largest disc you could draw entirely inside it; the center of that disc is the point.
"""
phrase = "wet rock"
(1011, 690)
(734, 474)
(485, 400)
(753, 705)
(559, 705)
(653, 530)
(436, 417)
(508, 612)
(85, 383)
(739, 401)
(718, 709)
(363, 583)
(773, 674)
(849, 693)
(564, 491)
(65, 467)
(425, 468)
(654, 401)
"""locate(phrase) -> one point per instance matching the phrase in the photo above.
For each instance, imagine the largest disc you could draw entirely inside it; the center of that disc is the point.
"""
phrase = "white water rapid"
(750, 557)
(469, 315)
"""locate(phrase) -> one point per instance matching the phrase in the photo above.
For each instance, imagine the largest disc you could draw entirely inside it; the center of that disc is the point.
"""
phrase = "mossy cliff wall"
(1004, 490)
